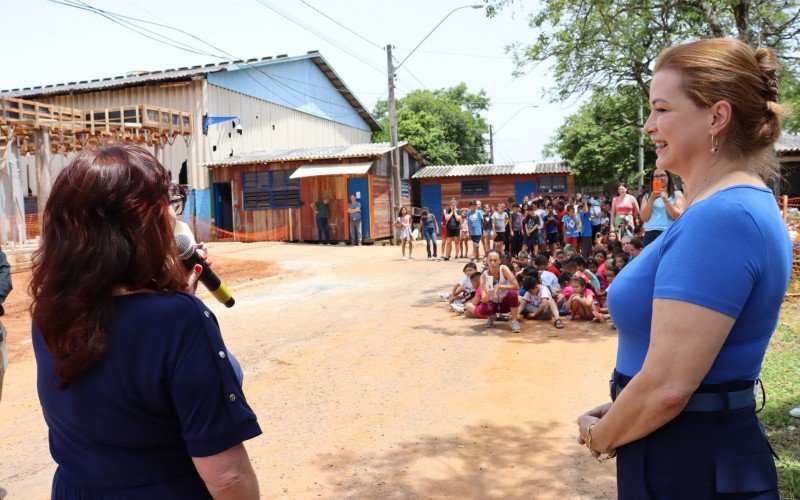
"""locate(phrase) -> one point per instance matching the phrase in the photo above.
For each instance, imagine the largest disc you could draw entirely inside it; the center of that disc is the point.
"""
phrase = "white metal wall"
(265, 126)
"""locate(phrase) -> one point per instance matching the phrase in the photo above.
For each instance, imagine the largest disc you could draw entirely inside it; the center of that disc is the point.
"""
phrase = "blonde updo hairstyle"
(726, 69)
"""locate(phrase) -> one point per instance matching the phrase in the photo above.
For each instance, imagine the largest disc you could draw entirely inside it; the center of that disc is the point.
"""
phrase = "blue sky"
(69, 44)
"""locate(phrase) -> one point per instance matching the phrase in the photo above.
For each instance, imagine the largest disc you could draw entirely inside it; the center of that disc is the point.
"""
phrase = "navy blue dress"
(163, 391)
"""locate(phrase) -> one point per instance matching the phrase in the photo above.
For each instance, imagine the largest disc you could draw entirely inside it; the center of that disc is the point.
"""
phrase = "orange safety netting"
(205, 229)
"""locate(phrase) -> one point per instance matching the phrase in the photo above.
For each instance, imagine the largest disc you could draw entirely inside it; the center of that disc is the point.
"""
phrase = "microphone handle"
(211, 281)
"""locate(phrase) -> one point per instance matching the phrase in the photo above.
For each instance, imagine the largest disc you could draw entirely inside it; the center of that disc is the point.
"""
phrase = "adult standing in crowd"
(488, 228)
(515, 229)
(692, 337)
(596, 210)
(5, 289)
(511, 203)
(354, 216)
(662, 206)
(587, 233)
(475, 227)
(499, 223)
(452, 226)
(321, 210)
(624, 208)
(430, 226)
(137, 388)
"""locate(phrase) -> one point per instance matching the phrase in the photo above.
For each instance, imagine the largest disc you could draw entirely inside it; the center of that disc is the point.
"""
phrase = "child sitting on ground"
(566, 292)
(538, 303)
(593, 280)
(602, 311)
(523, 259)
(467, 304)
(463, 287)
(546, 275)
(582, 304)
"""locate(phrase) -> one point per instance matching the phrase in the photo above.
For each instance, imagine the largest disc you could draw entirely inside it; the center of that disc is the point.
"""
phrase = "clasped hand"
(587, 419)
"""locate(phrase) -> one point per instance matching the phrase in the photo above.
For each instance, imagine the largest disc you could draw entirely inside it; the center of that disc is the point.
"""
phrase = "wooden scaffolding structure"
(41, 129)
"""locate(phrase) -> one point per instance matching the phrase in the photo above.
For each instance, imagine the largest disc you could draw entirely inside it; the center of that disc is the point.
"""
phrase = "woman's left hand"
(591, 416)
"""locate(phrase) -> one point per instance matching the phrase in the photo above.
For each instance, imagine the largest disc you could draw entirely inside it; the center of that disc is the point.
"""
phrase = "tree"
(606, 49)
(597, 44)
(444, 125)
(601, 139)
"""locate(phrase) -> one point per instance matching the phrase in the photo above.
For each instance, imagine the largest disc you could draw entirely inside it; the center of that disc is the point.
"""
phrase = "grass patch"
(781, 376)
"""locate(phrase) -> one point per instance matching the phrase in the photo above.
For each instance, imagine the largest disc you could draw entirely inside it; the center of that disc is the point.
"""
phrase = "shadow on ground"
(533, 332)
(482, 461)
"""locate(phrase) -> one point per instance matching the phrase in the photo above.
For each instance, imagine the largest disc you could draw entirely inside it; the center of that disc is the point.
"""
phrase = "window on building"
(405, 189)
(553, 184)
(475, 187)
(270, 189)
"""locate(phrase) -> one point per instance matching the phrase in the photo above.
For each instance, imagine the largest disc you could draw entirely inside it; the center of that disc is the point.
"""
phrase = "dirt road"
(366, 386)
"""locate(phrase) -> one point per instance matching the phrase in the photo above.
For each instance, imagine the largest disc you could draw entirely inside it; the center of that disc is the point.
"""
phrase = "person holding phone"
(499, 292)
(662, 206)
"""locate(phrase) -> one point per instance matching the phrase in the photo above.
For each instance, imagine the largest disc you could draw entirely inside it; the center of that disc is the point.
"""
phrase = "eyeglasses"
(660, 176)
(177, 201)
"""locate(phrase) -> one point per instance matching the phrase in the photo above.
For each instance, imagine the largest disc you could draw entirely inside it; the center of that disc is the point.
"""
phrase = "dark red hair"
(106, 225)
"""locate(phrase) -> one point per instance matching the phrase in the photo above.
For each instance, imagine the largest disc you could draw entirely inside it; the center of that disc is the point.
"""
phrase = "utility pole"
(491, 145)
(395, 164)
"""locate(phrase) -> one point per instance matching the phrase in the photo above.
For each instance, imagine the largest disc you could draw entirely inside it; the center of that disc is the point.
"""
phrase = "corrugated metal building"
(281, 102)
(491, 183)
(268, 194)
(787, 149)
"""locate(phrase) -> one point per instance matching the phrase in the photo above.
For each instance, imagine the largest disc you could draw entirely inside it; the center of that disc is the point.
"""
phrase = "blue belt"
(715, 400)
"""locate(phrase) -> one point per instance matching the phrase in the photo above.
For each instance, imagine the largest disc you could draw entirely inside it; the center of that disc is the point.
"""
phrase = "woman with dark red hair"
(136, 385)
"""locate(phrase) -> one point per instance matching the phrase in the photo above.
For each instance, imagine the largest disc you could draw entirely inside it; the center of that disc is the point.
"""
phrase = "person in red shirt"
(561, 211)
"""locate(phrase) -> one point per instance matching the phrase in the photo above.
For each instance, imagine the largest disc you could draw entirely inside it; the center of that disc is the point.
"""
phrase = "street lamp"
(491, 133)
(391, 69)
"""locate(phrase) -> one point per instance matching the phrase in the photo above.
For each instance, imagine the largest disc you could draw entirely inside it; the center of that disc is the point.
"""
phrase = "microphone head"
(186, 245)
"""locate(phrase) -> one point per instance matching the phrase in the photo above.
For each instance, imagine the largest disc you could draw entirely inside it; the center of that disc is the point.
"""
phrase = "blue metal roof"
(187, 73)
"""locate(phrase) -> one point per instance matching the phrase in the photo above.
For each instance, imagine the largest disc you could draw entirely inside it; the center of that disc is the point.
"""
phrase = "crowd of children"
(543, 259)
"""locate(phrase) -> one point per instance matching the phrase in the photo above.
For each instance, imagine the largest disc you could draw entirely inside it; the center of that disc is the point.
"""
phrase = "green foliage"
(597, 44)
(606, 49)
(444, 125)
(779, 373)
(789, 92)
(601, 139)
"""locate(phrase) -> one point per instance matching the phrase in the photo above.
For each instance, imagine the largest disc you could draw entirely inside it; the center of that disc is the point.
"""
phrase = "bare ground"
(366, 386)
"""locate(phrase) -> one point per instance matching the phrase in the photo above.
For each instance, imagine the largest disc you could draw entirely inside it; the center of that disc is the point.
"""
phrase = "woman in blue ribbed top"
(696, 309)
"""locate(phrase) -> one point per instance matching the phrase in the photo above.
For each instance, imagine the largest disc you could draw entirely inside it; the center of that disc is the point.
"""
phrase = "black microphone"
(190, 257)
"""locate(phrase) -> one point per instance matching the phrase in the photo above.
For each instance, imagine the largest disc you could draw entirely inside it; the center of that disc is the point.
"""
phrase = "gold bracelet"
(610, 455)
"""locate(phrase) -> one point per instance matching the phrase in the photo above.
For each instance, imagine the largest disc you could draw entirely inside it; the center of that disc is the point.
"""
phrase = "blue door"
(223, 204)
(431, 197)
(359, 186)
(523, 189)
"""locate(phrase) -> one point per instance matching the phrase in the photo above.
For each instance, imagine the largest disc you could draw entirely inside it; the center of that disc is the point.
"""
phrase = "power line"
(340, 24)
(462, 54)
(415, 77)
(114, 17)
(129, 26)
(310, 30)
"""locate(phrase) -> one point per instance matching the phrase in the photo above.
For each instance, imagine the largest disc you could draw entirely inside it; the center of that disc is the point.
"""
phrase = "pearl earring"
(714, 144)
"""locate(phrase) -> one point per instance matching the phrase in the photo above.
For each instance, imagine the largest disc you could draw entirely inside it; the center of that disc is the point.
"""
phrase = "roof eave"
(349, 96)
